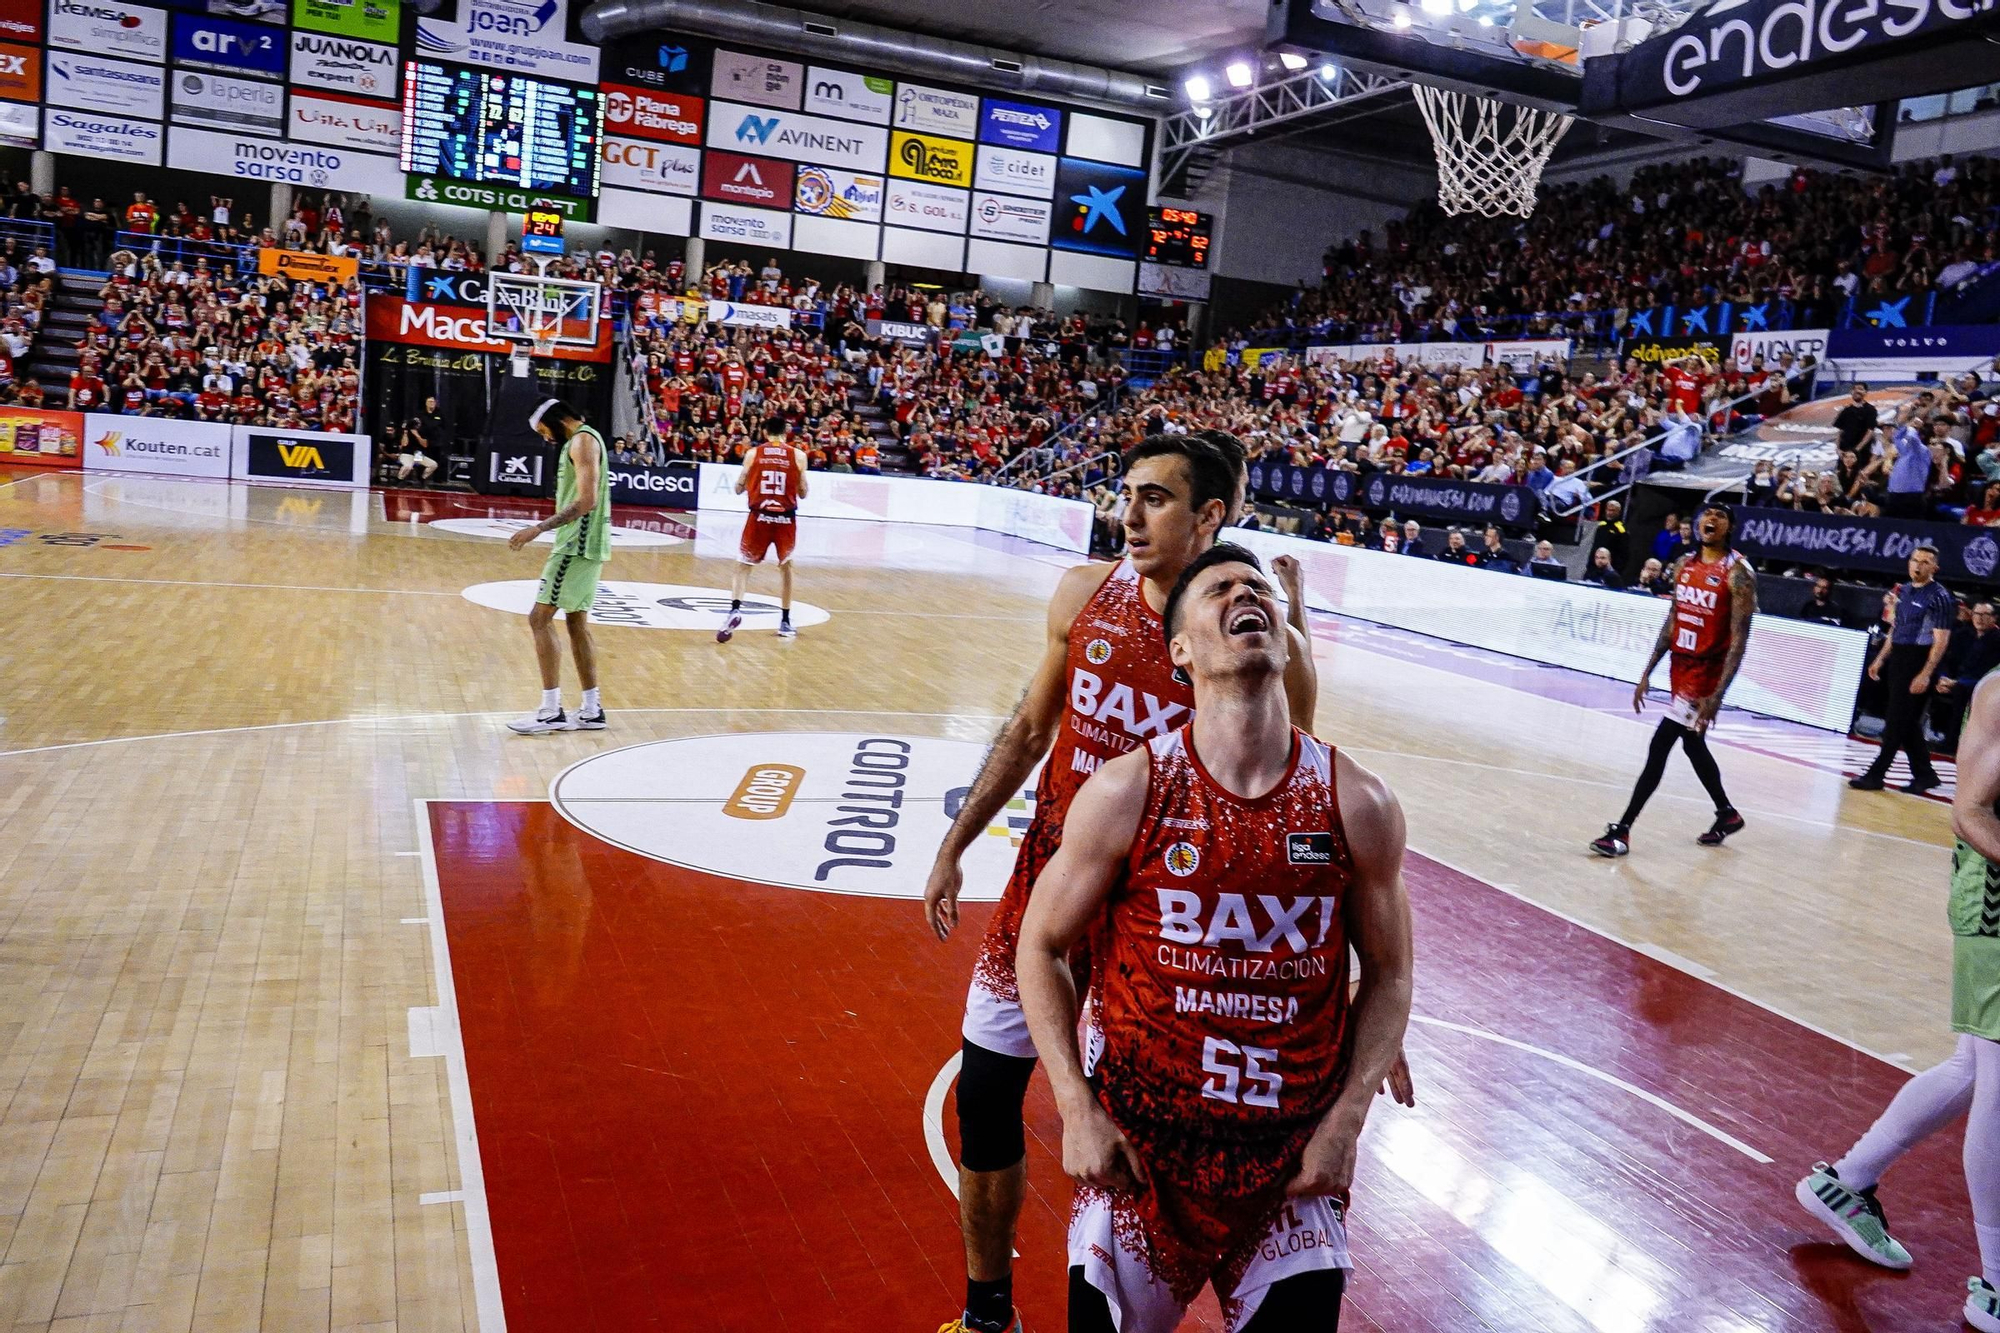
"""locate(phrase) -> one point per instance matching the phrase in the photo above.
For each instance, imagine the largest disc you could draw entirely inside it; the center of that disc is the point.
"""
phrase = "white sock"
(552, 700)
(1923, 1106)
(590, 704)
(1982, 1155)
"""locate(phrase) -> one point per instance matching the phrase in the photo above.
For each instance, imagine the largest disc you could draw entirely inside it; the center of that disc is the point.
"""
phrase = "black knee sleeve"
(1089, 1312)
(991, 1089)
(1303, 1303)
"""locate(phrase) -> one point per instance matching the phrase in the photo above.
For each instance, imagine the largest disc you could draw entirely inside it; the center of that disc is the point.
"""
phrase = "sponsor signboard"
(493, 198)
(21, 20)
(1802, 436)
(758, 79)
(41, 439)
(936, 111)
(664, 64)
(369, 20)
(277, 161)
(109, 87)
(895, 330)
(1012, 171)
(644, 113)
(1100, 209)
(114, 137)
(109, 28)
(1745, 348)
(299, 457)
(344, 65)
(1020, 125)
(347, 122)
(1943, 349)
(736, 179)
(796, 137)
(227, 46)
(656, 167)
(458, 328)
(520, 36)
(517, 470)
(829, 192)
(837, 92)
(1524, 354)
(20, 73)
(249, 105)
(999, 217)
(1659, 351)
(307, 266)
(671, 486)
(20, 125)
(157, 445)
(1842, 541)
(747, 226)
(1427, 497)
(929, 207)
(749, 316)
(1105, 140)
(922, 157)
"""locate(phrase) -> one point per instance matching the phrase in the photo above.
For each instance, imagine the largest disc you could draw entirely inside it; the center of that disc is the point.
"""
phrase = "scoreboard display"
(1178, 236)
(501, 129)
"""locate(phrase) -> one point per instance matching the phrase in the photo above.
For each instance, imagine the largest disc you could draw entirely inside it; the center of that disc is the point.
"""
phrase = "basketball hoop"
(1488, 162)
(542, 345)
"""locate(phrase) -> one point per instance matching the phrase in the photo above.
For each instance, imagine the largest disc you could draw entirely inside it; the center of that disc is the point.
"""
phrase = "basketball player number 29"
(771, 483)
(1220, 1059)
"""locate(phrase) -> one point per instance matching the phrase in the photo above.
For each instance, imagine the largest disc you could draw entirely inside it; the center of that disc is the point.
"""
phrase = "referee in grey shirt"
(1906, 666)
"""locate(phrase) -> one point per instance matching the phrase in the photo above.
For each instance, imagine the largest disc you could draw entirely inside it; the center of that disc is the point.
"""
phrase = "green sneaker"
(1855, 1217)
(1982, 1305)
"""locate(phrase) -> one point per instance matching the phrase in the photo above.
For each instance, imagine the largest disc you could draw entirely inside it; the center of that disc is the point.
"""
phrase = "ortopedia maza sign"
(493, 198)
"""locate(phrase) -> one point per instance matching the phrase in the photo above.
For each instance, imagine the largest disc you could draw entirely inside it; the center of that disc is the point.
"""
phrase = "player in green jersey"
(582, 525)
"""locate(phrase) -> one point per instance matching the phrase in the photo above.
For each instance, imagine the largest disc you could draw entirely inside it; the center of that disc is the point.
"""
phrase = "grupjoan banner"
(1841, 541)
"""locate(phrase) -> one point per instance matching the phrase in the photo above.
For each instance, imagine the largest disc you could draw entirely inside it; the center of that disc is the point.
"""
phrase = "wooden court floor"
(221, 705)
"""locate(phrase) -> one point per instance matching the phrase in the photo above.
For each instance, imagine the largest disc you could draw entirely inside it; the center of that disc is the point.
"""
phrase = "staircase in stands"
(53, 358)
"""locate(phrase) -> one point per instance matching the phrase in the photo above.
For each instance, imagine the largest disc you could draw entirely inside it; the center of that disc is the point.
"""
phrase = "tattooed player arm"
(1068, 897)
(1972, 816)
(1660, 645)
(1024, 738)
(588, 464)
(1742, 606)
(1377, 911)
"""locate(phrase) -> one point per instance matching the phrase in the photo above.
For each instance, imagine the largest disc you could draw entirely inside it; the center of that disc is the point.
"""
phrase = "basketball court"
(332, 1003)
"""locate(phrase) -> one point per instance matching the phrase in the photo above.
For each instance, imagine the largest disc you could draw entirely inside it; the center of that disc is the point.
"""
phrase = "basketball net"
(1490, 154)
(542, 346)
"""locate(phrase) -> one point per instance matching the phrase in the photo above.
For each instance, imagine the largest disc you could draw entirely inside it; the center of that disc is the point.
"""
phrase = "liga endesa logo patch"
(830, 812)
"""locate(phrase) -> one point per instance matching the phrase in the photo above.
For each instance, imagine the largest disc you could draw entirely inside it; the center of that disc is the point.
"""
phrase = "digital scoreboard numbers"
(1178, 237)
(501, 129)
(542, 232)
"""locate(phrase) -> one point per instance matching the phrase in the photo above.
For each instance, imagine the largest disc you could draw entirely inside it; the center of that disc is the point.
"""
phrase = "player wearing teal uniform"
(1968, 1084)
(582, 525)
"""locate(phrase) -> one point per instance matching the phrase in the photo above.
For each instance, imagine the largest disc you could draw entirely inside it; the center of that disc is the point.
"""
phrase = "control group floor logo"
(503, 528)
(851, 812)
(652, 605)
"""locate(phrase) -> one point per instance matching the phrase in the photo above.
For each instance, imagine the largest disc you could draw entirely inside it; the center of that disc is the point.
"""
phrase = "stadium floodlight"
(1327, 72)
(1401, 19)
(1291, 60)
(1435, 8)
(1485, 20)
(1198, 88)
(1239, 73)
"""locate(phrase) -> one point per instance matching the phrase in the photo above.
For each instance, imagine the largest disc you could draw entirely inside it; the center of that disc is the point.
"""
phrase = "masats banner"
(457, 328)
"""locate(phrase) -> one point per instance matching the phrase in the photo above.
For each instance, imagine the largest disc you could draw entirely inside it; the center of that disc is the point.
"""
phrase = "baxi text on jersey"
(1255, 924)
(1122, 705)
(1704, 599)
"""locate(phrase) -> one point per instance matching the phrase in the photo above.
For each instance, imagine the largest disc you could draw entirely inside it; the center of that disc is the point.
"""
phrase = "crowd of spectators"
(1682, 234)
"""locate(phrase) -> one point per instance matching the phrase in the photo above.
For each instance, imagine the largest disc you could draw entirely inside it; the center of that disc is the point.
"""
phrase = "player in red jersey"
(774, 478)
(1715, 595)
(1104, 686)
(1212, 1114)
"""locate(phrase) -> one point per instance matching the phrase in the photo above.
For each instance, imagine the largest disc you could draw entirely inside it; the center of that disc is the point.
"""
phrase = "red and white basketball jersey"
(774, 480)
(1701, 607)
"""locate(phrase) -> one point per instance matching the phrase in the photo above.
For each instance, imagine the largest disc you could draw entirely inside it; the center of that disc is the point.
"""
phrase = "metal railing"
(1108, 405)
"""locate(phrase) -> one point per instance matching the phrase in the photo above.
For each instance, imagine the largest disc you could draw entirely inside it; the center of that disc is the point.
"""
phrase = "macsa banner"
(458, 328)
(1841, 541)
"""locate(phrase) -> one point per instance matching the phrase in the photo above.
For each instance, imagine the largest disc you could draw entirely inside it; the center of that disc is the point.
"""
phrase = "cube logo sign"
(662, 64)
(1099, 209)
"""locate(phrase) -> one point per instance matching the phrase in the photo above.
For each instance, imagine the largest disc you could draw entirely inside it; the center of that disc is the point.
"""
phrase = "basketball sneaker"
(536, 724)
(588, 721)
(1726, 823)
(785, 630)
(1982, 1305)
(729, 627)
(1615, 841)
(1857, 1218)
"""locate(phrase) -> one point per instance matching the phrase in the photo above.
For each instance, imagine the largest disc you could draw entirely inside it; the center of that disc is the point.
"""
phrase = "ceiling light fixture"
(1292, 60)
(1198, 88)
(1239, 73)
(1400, 20)
(1327, 72)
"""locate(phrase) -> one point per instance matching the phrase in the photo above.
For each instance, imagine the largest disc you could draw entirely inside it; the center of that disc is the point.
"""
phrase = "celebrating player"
(1707, 631)
(582, 524)
(1843, 1195)
(1213, 1125)
(1104, 686)
(774, 477)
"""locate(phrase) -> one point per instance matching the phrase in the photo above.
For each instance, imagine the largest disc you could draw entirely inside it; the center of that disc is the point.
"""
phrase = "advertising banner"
(1103, 139)
(936, 111)
(457, 328)
(749, 316)
(518, 36)
(1101, 210)
(40, 438)
(828, 192)
(1012, 171)
(658, 168)
(736, 179)
(662, 64)
(1659, 351)
(1939, 350)
(920, 157)
(914, 335)
(156, 445)
(1524, 354)
(109, 28)
(492, 198)
(1021, 125)
(646, 113)
(108, 87)
(1459, 356)
(796, 137)
(300, 457)
(20, 73)
(1745, 348)
(344, 65)
(21, 20)
(746, 226)
(1802, 436)
(113, 137)
(1841, 541)
(228, 47)
(275, 160)
(525, 471)
(345, 122)
(1036, 518)
(758, 79)
(669, 486)
(248, 105)
(836, 92)
(927, 206)
(1000, 217)
(369, 20)
(20, 125)
(1461, 502)
(308, 267)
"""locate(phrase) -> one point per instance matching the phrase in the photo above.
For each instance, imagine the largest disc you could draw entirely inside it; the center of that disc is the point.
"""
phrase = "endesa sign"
(668, 487)
(457, 328)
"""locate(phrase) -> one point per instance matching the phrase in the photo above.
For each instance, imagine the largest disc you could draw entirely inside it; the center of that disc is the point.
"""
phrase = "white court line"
(488, 1312)
(934, 1122)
